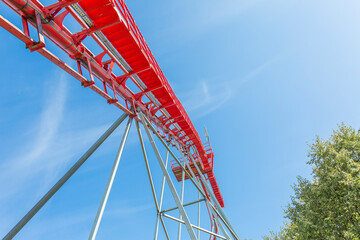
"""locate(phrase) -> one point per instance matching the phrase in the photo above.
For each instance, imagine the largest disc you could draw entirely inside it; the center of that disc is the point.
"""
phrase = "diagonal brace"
(192, 177)
(109, 184)
(168, 179)
(63, 180)
(186, 204)
(194, 226)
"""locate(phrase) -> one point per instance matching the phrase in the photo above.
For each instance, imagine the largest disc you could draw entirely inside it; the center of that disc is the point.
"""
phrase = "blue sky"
(264, 77)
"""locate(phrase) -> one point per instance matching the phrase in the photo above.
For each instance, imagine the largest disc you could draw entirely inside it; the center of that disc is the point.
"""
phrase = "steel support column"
(193, 179)
(198, 232)
(194, 226)
(182, 198)
(213, 198)
(147, 167)
(186, 204)
(105, 197)
(150, 177)
(158, 217)
(63, 180)
(220, 225)
(199, 188)
(213, 210)
(168, 179)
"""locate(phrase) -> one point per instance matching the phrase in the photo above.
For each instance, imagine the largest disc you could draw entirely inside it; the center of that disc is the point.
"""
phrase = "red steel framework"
(153, 103)
(112, 20)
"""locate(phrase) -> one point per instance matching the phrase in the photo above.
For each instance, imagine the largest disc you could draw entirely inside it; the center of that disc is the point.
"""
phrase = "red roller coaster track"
(111, 25)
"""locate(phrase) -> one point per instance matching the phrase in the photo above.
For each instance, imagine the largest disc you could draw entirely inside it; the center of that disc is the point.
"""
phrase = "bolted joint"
(87, 83)
(112, 100)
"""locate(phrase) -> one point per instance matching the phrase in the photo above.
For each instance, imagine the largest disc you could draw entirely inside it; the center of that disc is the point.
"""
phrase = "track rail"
(112, 27)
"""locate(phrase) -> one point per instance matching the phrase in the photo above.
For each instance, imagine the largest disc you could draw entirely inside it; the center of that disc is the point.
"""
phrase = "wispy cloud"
(256, 71)
(45, 150)
(208, 96)
(43, 154)
(205, 98)
(29, 159)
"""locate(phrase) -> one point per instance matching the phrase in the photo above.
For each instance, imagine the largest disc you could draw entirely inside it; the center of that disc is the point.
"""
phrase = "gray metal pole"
(147, 167)
(215, 212)
(182, 198)
(195, 182)
(198, 233)
(164, 227)
(220, 225)
(63, 180)
(168, 179)
(209, 190)
(158, 217)
(212, 208)
(150, 178)
(194, 226)
(186, 204)
(105, 197)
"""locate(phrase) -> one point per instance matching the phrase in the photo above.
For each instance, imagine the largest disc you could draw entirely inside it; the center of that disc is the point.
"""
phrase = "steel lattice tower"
(154, 106)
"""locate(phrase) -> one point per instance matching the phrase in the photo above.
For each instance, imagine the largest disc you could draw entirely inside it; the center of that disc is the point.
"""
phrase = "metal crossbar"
(186, 204)
(163, 110)
(194, 226)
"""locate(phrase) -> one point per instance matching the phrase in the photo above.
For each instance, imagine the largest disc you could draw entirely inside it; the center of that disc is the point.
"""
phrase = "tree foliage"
(328, 206)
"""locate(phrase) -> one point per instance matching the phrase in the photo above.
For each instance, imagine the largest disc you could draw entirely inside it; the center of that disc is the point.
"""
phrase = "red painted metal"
(113, 19)
(178, 170)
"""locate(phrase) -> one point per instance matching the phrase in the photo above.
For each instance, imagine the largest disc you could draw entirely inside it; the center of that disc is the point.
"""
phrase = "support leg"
(213, 198)
(198, 232)
(147, 167)
(220, 225)
(182, 198)
(105, 197)
(160, 201)
(193, 179)
(164, 227)
(213, 210)
(168, 179)
(194, 226)
(63, 180)
(158, 208)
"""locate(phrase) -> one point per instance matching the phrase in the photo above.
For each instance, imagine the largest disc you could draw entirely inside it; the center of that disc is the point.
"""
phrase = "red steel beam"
(49, 23)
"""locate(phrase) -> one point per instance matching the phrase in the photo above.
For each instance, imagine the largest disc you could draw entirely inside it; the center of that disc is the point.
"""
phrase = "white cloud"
(43, 154)
(45, 151)
(208, 96)
(29, 159)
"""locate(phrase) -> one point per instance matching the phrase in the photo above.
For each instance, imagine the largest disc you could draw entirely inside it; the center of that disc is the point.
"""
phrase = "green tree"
(328, 206)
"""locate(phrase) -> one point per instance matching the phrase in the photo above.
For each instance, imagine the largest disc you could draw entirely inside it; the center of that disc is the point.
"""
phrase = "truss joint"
(87, 83)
